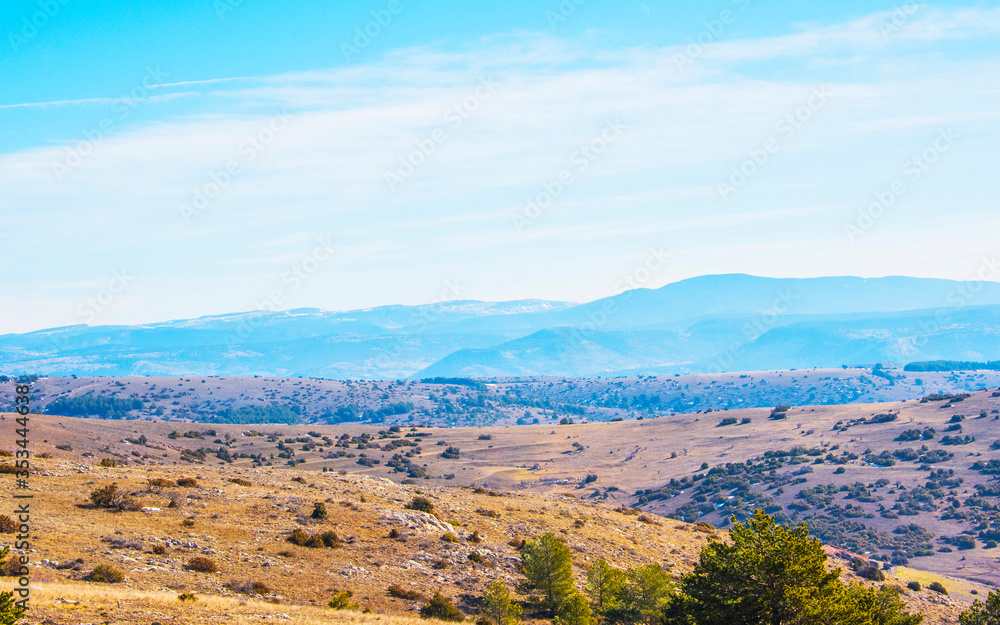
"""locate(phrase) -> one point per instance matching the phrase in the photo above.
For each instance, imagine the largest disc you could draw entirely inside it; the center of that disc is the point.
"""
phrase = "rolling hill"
(711, 323)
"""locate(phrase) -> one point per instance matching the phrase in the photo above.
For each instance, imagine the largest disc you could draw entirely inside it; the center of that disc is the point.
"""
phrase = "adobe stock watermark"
(222, 7)
(94, 305)
(760, 325)
(219, 180)
(913, 170)
(786, 127)
(292, 279)
(712, 31)
(365, 34)
(890, 25)
(121, 109)
(418, 323)
(580, 161)
(655, 261)
(562, 12)
(961, 296)
(33, 24)
(452, 118)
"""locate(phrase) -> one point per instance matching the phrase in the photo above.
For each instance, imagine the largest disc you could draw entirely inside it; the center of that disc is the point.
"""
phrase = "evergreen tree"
(772, 575)
(604, 585)
(648, 591)
(983, 613)
(574, 609)
(9, 612)
(498, 607)
(441, 608)
(768, 575)
(547, 563)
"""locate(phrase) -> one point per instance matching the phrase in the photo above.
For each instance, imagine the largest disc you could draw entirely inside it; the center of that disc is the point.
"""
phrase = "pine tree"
(648, 591)
(547, 563)
(983, 613)
(574, 609)
(768, 575)
(498, 607)
(9, 612)
(604, 585)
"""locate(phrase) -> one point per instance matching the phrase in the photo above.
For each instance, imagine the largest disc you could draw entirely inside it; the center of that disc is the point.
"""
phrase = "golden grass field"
(242, 528)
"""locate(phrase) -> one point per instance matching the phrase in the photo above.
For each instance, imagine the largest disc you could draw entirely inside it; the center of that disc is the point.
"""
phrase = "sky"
(178, 159)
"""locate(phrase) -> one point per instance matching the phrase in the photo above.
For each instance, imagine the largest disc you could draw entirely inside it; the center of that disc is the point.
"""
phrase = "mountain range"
(732, 322)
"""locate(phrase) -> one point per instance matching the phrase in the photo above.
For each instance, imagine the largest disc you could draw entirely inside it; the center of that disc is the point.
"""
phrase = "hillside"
(911, 482)
(499, 401)
(240, 517)
(704, 324)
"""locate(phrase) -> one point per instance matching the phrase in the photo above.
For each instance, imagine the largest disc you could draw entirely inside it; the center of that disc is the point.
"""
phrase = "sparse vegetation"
(441, 608)
(105, 574)
(201, 564)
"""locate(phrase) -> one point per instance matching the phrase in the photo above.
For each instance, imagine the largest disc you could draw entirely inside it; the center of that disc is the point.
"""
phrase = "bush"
(402, 593)
(112, 497)
(241, 482)
(202, 564)
(872, 572)
(304, 539)
(7, 524)
(159, 549)
(11, 567)
(319, 511)
(105, 574)
(9, 612)
(188, 482)
(449, 538)
(394, 533)
(441, 608)
(914, 586)
(249, 588)
(937, 587)
(421, 504)
(475, 557)
(342, 601)
(187, 596)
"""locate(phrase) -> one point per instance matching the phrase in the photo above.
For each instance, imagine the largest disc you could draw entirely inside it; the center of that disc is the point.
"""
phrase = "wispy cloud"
(348, 126)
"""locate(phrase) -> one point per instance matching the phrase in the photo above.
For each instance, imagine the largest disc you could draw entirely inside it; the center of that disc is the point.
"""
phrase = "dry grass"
(136, 606)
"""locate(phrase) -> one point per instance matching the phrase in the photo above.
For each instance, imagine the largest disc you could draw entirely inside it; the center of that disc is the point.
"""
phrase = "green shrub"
(187, 596)
(7, 524)
(441, 608)
(304, 539)
(9, 612)
(421, 504)
(914, 586)
(319, 511)
(342, 601)
(937, 587)
(105, 574)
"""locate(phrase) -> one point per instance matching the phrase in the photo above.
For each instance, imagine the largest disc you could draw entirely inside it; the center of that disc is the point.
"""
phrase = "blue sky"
(197, 158)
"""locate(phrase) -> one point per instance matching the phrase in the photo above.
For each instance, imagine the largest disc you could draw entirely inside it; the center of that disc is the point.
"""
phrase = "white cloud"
(347, 127)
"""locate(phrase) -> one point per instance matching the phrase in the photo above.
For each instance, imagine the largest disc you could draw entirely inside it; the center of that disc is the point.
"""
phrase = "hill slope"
(727, 323)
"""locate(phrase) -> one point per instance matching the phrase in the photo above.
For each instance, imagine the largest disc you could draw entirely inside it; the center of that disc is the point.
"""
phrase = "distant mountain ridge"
(709, 323)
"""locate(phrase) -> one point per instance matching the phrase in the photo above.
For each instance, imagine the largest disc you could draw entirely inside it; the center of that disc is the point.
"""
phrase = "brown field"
(537, 474)
(243, 529)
